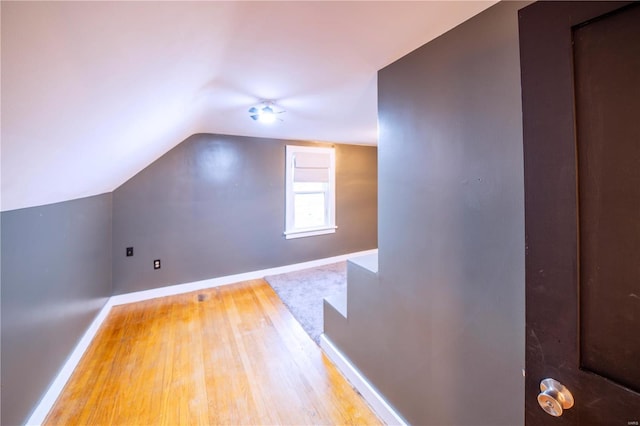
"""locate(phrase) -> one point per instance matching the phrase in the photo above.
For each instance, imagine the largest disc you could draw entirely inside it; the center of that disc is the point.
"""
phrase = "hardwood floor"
(229, 355)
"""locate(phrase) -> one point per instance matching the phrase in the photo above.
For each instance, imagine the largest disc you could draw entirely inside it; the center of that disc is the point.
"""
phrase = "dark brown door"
(581, 115)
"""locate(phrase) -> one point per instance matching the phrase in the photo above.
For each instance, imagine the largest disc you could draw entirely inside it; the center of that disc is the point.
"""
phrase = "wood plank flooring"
(231, 355)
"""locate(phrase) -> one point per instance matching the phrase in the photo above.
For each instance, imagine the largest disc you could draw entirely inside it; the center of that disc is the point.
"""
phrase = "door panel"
(607, 98)
(581, 119)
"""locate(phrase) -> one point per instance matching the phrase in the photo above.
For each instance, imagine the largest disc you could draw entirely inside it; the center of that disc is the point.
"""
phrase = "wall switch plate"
(156, 264)
(129, 251)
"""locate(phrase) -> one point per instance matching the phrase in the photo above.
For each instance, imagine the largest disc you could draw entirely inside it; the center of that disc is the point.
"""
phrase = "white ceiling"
(93, 92)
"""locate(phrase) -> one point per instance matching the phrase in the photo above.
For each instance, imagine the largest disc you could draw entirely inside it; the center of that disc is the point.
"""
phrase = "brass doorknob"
(554, 398)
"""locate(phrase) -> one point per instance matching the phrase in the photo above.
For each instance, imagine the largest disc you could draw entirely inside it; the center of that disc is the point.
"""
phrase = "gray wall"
(441, 334)
(214, 206)
(56, 276)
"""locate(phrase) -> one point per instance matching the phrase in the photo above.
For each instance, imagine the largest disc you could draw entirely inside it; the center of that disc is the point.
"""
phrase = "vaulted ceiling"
(93, 92)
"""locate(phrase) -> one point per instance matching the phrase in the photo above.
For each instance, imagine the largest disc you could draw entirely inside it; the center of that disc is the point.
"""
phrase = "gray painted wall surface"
(441, 334)
(56, 276)
(214, 206)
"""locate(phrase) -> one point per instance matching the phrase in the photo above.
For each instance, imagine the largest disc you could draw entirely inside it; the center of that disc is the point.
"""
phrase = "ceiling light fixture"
(265, 113)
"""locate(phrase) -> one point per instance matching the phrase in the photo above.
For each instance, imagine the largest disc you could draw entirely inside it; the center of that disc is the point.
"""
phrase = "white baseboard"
(48, 400)
(379, 405)
(50, 397)
(138, 296)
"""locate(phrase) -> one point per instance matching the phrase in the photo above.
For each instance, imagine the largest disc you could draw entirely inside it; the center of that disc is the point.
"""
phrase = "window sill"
(310, 232)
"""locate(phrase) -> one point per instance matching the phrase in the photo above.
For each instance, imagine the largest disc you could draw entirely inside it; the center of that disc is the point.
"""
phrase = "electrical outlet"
(129, 251)
(156, 264)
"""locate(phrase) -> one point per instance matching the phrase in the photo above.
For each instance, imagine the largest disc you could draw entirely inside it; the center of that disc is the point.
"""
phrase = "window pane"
(309, 186)
(308, 210)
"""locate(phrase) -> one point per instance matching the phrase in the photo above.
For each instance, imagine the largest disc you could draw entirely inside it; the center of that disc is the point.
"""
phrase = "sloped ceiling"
(93, 92)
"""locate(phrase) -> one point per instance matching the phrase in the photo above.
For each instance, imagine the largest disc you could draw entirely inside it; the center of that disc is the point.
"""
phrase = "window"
(310, 191)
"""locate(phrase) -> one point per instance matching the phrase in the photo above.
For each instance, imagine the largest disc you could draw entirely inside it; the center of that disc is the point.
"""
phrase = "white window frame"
(330, 197)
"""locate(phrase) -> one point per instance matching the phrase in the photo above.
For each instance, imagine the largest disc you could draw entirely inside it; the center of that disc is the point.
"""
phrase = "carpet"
(303, 292)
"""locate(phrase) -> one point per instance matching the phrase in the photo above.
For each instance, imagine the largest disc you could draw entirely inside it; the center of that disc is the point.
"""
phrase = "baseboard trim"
(377, 402)
(46, 403)
(138, 296)
(53, 392)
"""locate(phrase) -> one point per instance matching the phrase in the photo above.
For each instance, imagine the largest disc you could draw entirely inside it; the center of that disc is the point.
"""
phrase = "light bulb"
(267, 115)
